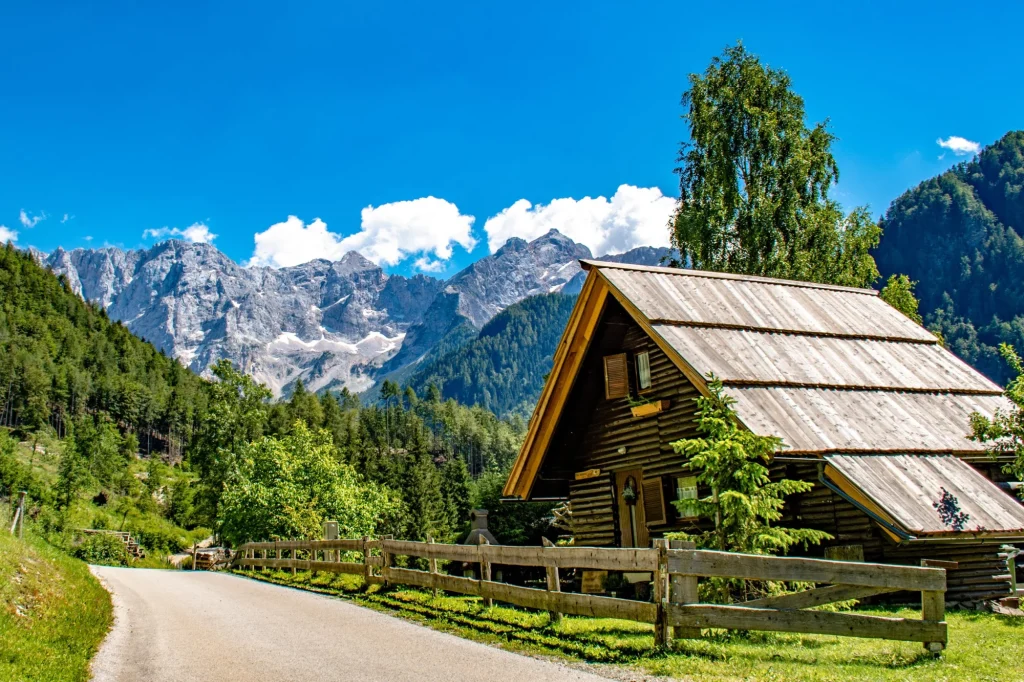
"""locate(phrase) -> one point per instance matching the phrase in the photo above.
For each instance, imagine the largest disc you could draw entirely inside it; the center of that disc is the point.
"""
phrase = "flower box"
(649, 408)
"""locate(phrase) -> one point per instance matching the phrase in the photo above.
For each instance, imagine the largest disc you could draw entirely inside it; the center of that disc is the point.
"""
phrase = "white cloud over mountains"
(390, 233)
(197, 233)
(960, 146)
(633, 216)
(428, 229)
(7, 234)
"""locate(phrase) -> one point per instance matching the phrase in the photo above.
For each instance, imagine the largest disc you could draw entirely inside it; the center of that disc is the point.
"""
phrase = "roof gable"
(827, 369)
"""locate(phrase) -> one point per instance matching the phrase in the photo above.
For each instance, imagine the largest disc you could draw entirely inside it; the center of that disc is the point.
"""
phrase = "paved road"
(183, 625)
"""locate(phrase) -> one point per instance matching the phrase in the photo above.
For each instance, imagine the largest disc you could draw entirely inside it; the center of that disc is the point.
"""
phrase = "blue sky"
(133, 119)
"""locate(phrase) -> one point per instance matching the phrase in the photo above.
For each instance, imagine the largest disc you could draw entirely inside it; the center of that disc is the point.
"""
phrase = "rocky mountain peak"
(330, 323)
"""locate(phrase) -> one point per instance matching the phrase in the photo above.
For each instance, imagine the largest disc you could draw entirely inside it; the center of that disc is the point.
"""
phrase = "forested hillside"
(504, 367)
(62, 358)
(959, 235)
(115, 435)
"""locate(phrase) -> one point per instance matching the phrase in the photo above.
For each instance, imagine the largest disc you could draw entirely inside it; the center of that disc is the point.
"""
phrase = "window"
(616, 377)
(643, 370)
(686, 494)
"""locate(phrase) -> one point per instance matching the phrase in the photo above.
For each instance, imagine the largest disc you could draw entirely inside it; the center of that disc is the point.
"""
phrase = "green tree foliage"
(960, 236)
(899, 293)
(61, 358)
(754, 182)
(744, 503)
(236, 416)
(1005, 431)
(287, 487)
(503, 368)
(512, 523)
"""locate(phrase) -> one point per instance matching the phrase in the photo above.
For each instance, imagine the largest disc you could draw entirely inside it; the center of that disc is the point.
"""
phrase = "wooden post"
(385, 558)
(194, 545)
(367, 572)
(21, 515)
(933, 608)
(485, 569)
(661, 592)
(432, 565)
(554, 583)
(295, 557)
(683, 590)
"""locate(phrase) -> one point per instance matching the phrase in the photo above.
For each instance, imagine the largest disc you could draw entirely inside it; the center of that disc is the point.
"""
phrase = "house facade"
(871, 408)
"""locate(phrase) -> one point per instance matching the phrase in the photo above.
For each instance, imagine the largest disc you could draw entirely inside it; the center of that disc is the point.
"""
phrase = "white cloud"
(7, 234)
(634, 216)
(30, 221)
(66, 218)
(389, 234)
(197, 233)
(88, 238)
(960, 146)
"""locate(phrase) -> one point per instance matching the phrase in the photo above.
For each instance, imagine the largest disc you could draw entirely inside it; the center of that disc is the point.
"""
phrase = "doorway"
(629, 494)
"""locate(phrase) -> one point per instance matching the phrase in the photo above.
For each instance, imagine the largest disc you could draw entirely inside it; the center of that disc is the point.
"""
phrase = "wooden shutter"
(654, 501)
(616, 376)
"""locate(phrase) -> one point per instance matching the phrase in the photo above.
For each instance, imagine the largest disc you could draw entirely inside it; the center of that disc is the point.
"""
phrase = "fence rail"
(675, 570)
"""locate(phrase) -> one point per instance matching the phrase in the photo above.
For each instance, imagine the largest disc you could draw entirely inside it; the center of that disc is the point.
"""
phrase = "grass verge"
(982, 646)
(53, 613)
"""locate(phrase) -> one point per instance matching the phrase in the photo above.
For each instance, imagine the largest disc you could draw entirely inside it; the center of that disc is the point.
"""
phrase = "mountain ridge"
(333, 324)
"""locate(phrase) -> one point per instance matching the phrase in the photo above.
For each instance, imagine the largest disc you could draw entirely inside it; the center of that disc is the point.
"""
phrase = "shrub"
(102, 548)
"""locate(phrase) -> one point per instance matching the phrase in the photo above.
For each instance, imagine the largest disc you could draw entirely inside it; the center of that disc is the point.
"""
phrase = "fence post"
(432, 566)
(385, 558)
(683, 590)
(933, 608)
(554, 582)
(366, 561)
(21, 516)
(485, 569)
(661, 592)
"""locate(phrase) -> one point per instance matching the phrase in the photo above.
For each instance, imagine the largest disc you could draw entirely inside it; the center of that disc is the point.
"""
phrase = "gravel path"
(184, 625)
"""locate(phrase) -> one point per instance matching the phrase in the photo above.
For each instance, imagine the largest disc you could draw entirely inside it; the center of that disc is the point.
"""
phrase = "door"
(629, 494)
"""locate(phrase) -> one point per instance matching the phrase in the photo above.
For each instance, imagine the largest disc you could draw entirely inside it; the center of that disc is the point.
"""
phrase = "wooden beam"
(758, 567)
(571, 351)
(568, 602)
(594, 558)
(817, 622)
(436, 551)
(439, 581)
(683, 590)
(816, 597)
(554, 582)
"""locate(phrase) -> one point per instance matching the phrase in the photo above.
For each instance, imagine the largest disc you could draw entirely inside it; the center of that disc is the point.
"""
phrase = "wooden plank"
(438, 551)
(337, 567)
(661, 626)
(567, 602)
(594, 558)
(554, 582)
(292, 544)
(349, 545)
(933, 609)
(756, 567)
(683, 590)
(449, 583)
(816, 597)
(816, 622)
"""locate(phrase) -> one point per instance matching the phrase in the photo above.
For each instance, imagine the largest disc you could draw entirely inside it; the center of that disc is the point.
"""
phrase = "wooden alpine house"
(870, 407)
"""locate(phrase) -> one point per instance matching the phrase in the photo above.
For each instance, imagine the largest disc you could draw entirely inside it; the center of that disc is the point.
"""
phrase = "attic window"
(616, 376)
(643, 370)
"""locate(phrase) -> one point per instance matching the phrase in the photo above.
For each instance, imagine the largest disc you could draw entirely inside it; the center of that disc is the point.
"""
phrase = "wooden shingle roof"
(927, 496)
(828, 369)
(825, 368)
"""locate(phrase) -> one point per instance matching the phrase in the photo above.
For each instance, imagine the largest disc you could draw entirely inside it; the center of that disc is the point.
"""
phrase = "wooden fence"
(675, 568)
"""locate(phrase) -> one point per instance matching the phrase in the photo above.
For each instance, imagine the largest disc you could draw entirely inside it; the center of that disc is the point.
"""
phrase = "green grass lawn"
(982, 646)
(53, 613)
